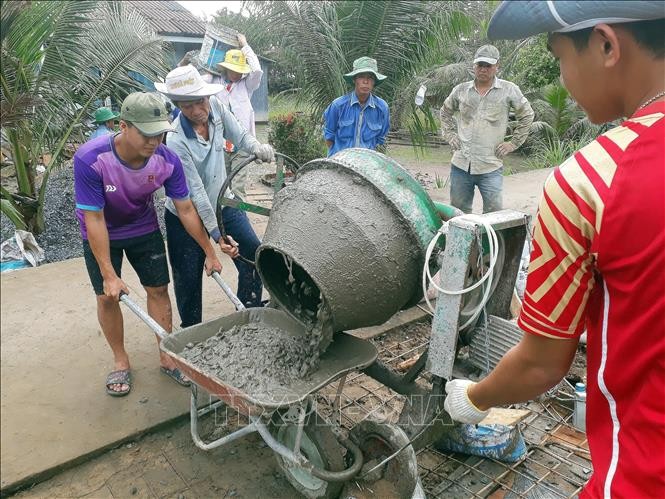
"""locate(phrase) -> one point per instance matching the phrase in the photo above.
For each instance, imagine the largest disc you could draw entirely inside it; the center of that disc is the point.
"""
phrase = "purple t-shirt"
(102, 181)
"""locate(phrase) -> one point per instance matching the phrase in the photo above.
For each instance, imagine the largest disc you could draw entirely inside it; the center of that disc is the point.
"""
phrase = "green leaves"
(58, 57)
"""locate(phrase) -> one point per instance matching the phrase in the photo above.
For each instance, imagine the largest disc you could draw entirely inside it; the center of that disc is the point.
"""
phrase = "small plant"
(439, 181)
(297, 135)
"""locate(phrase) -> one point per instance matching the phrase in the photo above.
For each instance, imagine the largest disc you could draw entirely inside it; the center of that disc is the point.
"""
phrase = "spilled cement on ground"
(262, 361)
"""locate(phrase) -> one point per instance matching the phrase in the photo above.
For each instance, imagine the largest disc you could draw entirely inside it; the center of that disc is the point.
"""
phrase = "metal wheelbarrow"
(309, 450)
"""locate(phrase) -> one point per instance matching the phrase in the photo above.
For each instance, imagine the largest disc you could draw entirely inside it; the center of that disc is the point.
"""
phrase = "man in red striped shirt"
(598, 259)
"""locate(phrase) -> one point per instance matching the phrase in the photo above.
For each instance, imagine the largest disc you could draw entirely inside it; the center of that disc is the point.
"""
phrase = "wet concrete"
(258, 359)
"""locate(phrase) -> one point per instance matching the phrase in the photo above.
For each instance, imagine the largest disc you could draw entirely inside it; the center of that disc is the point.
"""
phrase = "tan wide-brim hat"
(186, 84)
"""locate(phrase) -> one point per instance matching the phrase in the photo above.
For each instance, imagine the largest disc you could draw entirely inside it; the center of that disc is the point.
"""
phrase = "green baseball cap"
(146, 112)
(104, 114)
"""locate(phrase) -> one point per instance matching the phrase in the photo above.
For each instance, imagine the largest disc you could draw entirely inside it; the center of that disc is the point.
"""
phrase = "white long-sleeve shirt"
(237, 95)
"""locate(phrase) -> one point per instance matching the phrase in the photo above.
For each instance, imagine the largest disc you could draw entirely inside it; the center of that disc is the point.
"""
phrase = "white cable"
(487, 276)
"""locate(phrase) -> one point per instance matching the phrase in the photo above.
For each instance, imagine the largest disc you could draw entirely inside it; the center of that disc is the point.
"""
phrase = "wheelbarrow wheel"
(320, 447)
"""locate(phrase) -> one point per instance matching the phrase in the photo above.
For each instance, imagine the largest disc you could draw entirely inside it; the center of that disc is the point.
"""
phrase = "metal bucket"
(352, 231)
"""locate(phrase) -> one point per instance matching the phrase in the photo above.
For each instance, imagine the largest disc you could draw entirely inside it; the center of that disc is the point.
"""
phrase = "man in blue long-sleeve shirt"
(359, 118)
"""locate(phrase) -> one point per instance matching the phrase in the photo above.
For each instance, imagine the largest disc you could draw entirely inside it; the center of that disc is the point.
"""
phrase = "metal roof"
(169, 18)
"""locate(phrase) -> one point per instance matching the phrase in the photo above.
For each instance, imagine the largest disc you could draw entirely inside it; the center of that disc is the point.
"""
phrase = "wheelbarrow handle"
(225, 287)
(143, 315)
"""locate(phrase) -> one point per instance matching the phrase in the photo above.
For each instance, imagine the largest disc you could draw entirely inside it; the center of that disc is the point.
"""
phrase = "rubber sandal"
(121, 377)
(176, 376)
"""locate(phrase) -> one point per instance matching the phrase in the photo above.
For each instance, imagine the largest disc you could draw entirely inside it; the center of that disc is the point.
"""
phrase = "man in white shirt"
(242, 75)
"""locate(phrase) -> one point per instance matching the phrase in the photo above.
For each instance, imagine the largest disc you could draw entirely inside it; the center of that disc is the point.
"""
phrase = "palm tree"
(400, 35)
(57, 58)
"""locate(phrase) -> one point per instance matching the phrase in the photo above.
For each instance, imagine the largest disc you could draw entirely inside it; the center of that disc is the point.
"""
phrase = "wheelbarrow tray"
(346, 353)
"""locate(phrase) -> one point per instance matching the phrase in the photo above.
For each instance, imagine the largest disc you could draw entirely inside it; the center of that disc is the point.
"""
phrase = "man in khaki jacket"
(476, 134)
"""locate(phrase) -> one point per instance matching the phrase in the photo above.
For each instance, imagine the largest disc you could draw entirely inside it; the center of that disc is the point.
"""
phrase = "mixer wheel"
(320, 447)
(378, 440)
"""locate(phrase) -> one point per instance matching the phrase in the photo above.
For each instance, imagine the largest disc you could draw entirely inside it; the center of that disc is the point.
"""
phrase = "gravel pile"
(258, 359)
(61, 238)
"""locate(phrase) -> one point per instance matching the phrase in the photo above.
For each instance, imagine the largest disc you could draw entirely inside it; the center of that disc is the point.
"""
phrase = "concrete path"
(54, 360)
(54, 363)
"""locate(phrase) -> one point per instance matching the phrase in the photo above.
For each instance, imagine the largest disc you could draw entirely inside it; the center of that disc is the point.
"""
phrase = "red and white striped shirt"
(598, 261)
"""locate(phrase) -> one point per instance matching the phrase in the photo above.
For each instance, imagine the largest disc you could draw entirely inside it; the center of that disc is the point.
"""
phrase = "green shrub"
(535, 66)
(297, 135)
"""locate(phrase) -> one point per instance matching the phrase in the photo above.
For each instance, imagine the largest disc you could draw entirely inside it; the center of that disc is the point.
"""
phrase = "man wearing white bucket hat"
(597, 261)
(203, 125)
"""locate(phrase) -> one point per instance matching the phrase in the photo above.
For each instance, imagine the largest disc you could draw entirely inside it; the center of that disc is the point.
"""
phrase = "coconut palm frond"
(123, 43)
(313, 27)
(58, 57)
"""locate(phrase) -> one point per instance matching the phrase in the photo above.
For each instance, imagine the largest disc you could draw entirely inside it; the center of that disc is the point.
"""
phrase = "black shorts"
(146, 254)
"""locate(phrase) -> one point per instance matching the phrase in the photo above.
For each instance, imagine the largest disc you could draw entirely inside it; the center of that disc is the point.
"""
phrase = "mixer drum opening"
(290, 285)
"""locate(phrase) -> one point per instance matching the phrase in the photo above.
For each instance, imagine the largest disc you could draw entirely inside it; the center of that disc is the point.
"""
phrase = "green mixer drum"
(351, 230)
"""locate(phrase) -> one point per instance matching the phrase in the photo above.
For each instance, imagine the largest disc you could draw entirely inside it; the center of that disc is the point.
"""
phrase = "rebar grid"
(553, 467)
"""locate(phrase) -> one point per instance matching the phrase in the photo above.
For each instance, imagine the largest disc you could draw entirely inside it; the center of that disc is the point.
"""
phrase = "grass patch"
(285, 103)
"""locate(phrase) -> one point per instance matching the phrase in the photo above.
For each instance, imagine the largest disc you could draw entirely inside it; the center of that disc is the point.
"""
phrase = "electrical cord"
(486, 278)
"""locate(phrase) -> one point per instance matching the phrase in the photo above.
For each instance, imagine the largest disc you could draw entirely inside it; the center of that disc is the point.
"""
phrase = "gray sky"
(207, 9)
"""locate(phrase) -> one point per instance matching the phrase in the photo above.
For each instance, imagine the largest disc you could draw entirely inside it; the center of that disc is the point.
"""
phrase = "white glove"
(458, 405)
(264, 152)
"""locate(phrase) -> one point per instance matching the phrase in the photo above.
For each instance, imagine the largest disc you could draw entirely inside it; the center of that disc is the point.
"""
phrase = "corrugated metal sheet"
(489, 346)
(169, 18)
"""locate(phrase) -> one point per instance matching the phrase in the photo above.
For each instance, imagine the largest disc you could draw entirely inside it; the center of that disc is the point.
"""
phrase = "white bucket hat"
(186, 84)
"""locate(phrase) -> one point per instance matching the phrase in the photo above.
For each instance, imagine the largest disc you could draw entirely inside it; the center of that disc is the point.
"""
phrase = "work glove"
(455, 143)
(458, 405)
(504, 149)
(264, 152)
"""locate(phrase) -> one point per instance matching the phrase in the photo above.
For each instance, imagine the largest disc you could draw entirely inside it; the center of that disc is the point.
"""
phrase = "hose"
(487, 276)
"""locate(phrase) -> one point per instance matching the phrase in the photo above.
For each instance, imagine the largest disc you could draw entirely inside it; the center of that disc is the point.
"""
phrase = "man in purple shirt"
(115, 177)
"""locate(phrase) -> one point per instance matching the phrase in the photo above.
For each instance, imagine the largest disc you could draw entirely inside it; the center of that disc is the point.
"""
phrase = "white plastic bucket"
(213, 49)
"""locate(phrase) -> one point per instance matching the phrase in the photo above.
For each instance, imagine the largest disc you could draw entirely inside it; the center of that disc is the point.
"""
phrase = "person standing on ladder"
(242, 77)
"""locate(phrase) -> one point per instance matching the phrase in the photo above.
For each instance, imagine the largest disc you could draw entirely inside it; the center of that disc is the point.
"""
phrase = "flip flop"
(121, 377)
(176, 376)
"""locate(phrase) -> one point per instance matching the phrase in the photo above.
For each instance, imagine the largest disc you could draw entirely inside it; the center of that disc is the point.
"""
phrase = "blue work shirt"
(348, 124)
(101, 130)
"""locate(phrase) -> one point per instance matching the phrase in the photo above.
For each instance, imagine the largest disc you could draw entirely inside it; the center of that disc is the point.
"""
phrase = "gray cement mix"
(260, 360)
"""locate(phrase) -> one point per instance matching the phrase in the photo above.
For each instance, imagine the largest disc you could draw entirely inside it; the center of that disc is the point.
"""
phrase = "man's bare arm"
(530, 368)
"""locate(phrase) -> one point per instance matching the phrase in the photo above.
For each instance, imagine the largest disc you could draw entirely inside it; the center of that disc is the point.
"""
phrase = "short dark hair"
(649, 35)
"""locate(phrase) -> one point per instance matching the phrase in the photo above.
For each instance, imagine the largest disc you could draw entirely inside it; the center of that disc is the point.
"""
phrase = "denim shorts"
(146, 254)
